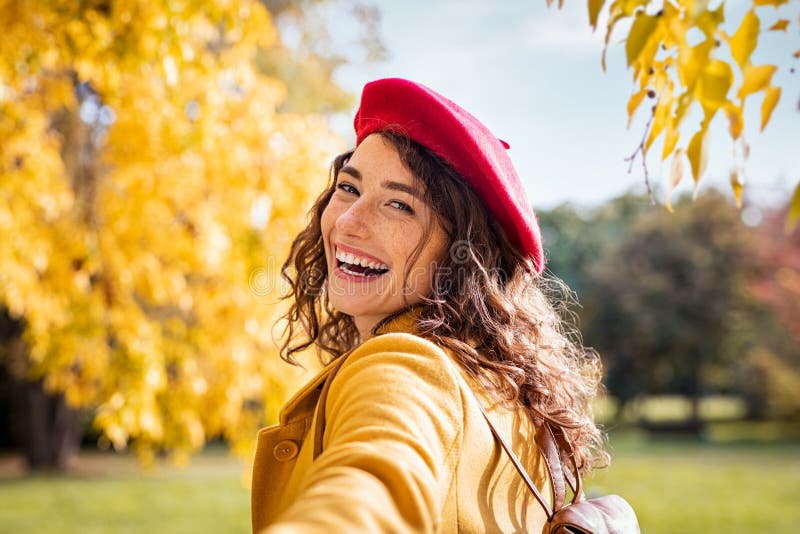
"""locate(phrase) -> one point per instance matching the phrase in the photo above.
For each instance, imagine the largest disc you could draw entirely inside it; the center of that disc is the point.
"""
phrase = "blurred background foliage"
(157, 157)
(694, 303)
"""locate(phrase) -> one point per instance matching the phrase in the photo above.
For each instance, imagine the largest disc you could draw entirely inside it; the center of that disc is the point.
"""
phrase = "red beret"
(461, 140)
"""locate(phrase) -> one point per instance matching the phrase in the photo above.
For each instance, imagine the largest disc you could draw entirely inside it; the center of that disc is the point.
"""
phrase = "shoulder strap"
(546, 438)
(573, 475)
(517, 465)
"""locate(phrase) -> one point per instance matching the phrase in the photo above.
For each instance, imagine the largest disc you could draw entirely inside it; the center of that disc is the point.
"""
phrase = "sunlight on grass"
(674, 486)
(686, 486)
(114, 496)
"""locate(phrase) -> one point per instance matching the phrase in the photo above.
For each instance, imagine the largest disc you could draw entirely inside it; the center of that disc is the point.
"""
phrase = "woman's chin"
(358, 307)
(354, 292)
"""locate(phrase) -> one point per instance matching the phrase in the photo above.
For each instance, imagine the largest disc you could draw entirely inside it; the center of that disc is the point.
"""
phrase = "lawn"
(110, 494)
(679, 486)
(675, 486)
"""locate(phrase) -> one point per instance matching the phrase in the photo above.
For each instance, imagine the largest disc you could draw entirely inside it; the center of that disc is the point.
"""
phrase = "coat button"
(285, 450)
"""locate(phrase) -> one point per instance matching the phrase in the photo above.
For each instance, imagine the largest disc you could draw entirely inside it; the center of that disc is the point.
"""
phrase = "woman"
(418, 276)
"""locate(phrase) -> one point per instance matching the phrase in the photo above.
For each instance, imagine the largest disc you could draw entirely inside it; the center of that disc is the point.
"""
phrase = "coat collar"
(403, 321)
(302, 403)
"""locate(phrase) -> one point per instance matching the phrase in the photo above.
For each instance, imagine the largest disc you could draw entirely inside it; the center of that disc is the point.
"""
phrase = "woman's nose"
(355, 220)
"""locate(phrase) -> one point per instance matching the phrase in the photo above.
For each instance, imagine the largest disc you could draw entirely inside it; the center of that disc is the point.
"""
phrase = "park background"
(157, 157)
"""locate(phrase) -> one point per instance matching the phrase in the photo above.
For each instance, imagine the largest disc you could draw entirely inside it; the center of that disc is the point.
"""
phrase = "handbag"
(610, 514)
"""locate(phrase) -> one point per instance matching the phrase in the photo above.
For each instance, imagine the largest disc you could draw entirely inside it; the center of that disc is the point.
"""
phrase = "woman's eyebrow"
(387, 184)
(352, 171)
(397, 186)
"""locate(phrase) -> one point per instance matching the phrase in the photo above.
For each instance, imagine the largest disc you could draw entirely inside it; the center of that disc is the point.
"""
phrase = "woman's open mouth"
(361, 267)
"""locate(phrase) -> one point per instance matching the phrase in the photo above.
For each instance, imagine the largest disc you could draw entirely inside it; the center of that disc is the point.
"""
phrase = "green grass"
(113, 496)
(675, 486)
(680, 486)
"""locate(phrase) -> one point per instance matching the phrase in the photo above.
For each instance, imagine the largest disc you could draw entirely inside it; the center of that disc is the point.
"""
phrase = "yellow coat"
(406, 449)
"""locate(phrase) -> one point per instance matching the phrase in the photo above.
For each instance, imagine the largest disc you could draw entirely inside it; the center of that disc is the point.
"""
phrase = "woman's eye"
(401, 206)
(347, 188)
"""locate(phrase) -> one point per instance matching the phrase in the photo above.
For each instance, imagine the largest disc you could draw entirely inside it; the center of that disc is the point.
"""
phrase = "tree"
(575, 237)
(682, 53)
(662, 300)
(741, 331)
(150, 191)
(777, 282)
(770, 372)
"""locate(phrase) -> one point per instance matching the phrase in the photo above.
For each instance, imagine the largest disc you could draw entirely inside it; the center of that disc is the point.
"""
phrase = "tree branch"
(640, 149)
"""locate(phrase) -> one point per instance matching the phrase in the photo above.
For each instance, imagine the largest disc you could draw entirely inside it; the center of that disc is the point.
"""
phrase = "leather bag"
(610, 514)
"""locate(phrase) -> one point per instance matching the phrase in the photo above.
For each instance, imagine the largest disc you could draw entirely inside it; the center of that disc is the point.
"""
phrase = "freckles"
(410, 228)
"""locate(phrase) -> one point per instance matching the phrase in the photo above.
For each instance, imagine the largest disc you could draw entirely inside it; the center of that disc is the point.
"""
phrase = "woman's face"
(370, 227)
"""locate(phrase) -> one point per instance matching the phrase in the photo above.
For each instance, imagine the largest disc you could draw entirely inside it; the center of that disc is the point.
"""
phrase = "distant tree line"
(691, 303)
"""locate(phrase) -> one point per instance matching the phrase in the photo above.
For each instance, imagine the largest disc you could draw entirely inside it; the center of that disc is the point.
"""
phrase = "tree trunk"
(40, 424)
(696, 389)
(694, 417)
(622, 403)
(50, 435)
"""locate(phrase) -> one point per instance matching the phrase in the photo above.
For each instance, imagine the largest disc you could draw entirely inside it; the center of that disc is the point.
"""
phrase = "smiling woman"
(372, 226)
(418, 280)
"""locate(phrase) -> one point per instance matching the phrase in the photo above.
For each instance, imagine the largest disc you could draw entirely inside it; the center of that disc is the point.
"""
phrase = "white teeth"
(353, 273)
(353, 259)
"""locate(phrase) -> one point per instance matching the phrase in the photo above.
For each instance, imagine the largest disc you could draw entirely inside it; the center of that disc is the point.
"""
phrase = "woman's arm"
(394, 415)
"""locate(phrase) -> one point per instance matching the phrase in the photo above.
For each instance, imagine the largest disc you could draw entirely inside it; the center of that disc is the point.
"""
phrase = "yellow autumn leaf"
(692, 60)
(663, 108)
(685, 101)
(738, 187)
(774, 3)
(744, 41)
(595, 6)
(675, 25)
(618, 10)
(660, 80)
(633, 103)
(771, 97)
(714, 83)
(735, 119)
(142, 313)
(697, 152)
(642, 28)
(780, 25)
(671, 136)
(629, 7)
(613, 18)
(675, 175)
(794, 210)
(709, 21)
(755, 79)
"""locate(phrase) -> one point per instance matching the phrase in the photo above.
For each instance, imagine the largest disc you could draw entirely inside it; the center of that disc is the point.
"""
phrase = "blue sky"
(533, 76)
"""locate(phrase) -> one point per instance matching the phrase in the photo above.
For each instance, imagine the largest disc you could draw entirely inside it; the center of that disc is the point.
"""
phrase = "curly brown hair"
(507, 326)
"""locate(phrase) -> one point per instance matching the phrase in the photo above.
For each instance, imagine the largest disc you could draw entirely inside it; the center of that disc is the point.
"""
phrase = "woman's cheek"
(328, 221)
